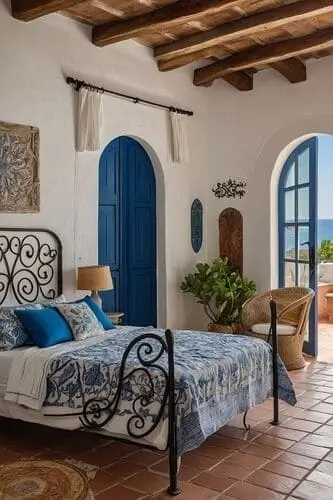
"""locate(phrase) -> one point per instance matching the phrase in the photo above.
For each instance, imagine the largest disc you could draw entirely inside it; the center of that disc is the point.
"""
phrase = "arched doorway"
(297, 226)
(127, 230)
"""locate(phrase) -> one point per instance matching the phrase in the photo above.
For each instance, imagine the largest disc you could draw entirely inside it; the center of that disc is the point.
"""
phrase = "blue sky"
(325, 177)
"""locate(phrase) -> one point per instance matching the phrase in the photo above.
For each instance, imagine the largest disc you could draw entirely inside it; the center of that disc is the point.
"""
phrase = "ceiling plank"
(27, 10)
(292, 69)
(165, 17)
(241, 80)
(267, 54)
(246, 26)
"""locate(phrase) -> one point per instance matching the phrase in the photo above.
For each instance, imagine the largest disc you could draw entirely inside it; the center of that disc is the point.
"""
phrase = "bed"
(154, 387)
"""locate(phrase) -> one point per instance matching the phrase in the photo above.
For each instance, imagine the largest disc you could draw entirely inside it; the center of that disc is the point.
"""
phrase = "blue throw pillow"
(45, 327)
(99, 313)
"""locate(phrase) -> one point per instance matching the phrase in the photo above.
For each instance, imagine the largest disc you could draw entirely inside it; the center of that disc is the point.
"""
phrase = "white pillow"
(263, 329)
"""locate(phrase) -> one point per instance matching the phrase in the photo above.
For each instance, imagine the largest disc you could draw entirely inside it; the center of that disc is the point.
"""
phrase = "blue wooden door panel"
(109, 221)
(298, 227)
(141, 233)
(142, 289)
(127, 230)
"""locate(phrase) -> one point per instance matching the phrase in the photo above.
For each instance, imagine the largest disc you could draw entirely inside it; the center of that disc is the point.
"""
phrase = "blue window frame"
(297, 211)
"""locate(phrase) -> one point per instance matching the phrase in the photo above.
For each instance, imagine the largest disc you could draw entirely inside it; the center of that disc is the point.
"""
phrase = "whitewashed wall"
(251, 136)
(35, 58)
(232, 134)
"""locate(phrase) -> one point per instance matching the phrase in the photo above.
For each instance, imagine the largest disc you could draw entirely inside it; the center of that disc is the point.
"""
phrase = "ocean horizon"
(324, 232)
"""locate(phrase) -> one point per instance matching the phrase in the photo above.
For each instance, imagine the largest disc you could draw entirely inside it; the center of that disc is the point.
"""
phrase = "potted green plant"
(222, 291)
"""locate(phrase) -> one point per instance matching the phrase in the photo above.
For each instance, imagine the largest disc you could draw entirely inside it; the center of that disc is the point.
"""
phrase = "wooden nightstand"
(115, 317)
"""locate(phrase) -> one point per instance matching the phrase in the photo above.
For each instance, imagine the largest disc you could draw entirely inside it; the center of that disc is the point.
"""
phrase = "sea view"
(324, 232)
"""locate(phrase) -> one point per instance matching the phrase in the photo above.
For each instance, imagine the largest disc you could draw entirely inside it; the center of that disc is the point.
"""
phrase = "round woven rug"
(43, 480)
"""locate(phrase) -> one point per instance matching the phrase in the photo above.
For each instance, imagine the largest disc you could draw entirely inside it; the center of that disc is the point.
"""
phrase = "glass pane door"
(297, 227)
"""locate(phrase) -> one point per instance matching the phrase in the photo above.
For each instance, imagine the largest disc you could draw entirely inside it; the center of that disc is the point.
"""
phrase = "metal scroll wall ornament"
(229, 189)
(196, 225)
(30, 265)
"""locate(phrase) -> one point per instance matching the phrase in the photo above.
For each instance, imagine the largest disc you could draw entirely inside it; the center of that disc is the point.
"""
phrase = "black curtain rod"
(136, 100)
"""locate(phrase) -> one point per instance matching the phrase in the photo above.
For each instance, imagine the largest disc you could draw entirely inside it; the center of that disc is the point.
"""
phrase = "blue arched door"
(127, 230)
(298, 227)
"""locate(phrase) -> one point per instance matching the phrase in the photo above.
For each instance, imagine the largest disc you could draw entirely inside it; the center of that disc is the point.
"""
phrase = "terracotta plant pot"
(216, 328)
(235, 328)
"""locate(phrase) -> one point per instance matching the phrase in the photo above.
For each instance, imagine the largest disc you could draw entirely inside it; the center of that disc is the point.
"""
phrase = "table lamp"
(94, 278)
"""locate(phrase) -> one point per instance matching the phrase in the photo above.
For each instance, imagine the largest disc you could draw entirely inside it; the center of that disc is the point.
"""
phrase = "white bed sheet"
(8, 409)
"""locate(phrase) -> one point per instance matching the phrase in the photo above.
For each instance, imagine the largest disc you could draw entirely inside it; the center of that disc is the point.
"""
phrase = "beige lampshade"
(94, 278)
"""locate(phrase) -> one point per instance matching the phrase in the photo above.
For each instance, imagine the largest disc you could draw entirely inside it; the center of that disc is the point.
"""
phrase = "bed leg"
(247, 426)
(172, 438)
(275, 363)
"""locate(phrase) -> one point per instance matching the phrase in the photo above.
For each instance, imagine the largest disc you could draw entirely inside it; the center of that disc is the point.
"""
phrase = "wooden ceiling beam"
(241, 80)
(27, 10)
(165, 17)
(267, 54)
(292, 69)
(193, 45)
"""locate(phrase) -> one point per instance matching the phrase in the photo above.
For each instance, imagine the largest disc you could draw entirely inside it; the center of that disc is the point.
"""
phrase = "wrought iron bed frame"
(35, 269)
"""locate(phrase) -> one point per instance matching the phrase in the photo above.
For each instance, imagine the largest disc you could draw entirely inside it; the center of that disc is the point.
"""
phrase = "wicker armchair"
(293, 307)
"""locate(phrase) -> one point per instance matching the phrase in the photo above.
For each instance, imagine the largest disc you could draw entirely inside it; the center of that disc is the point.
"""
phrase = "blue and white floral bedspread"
(217, 377)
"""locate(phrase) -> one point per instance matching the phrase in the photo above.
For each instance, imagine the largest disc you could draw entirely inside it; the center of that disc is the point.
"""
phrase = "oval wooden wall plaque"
(231, 237)
(196, 225)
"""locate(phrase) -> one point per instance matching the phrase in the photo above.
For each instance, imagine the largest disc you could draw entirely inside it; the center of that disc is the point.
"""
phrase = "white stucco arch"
(262, 192)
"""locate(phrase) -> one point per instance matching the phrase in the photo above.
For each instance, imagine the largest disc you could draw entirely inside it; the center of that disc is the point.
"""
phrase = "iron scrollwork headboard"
(30, 265)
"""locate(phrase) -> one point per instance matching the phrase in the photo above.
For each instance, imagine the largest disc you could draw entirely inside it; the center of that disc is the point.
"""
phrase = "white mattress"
(12, 410)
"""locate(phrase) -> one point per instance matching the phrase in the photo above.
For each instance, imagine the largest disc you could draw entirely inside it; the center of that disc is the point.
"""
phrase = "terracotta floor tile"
(286, 469)
(272, 481)
(246, 491)
(119, 492)
(319, 440)
(26, 448)
(324, 408)
(314, 416)
(308, 490)
(274, 442)
(189, 491)
(284, 433)
(148, 482)
(293, 411)
(309, 450)
(238, 466)
(107, 455)
(214, 482)
(8, 456)
(326, 467)
(261, 451)
(298, 460)
(198, 462)
(102, 481)
(236, 433)
(319, 477)
(225, 442)
(124, 469)
(213, 452)
(145, 457)
(301, 425)
(245, 460)
(329, 457)
(232, 471)
(318, 395)
(329, 400)
(185, 473)
(306, 403)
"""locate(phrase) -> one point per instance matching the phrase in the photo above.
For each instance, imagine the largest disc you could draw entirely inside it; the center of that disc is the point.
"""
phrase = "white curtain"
(179, 147)
(89, 120)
